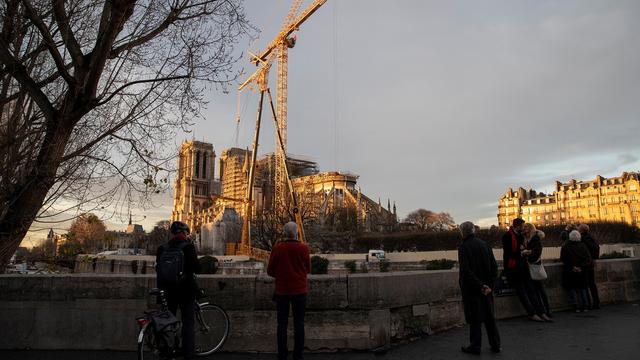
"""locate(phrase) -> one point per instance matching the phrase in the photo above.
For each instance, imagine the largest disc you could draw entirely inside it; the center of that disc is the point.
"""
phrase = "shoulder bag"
(537, 272)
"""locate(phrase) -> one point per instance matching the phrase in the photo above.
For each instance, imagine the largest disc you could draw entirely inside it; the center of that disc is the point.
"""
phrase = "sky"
(444, 105)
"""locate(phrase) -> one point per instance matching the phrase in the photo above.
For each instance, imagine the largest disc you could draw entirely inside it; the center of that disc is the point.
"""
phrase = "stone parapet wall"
(344, 312)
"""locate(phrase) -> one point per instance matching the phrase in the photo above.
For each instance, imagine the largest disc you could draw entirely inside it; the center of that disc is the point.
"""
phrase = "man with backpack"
(176, 264)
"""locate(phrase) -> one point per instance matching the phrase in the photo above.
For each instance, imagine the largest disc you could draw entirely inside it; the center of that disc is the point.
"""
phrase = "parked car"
(375, 255)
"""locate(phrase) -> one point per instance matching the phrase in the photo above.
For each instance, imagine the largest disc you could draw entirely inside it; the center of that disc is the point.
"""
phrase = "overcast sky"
(444, 105)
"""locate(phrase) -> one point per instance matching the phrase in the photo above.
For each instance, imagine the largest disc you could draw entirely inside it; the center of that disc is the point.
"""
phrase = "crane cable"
(336, 97)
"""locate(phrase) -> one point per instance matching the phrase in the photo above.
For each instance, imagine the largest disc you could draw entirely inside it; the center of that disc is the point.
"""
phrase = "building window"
(604, 211)
(204, 165)
(197, 164)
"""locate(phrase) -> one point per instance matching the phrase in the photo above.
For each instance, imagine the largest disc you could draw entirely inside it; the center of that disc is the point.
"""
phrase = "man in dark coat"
(594, 251)
(517, 270)
(478, 273)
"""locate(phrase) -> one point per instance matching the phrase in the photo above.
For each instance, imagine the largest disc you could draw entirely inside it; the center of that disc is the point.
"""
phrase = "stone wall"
(344, 312)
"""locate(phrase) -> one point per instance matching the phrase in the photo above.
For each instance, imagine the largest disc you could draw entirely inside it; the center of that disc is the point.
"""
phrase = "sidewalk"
(610, 333)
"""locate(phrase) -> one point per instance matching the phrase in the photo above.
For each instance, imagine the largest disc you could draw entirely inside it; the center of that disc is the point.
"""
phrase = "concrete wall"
(548, 253)
(355, 312)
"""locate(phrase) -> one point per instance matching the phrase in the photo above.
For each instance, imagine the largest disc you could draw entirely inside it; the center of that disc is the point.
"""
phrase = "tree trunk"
(29, 197)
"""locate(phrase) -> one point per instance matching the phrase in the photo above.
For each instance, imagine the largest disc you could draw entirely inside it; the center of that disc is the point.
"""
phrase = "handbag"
(537, 272)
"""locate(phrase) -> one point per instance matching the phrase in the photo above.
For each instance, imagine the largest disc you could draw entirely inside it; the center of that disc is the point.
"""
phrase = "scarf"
(179, 236)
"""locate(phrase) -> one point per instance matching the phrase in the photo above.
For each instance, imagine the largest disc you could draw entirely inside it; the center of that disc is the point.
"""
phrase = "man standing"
(478, 273)
(517, 271)
(289, 264)
(176, 264)
(594, 251)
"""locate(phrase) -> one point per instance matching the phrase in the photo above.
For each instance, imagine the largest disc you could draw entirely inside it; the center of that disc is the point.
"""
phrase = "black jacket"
(191, 267)
(574, 254)
(592, 245)
(535, 245)
(508, 253)
(478, 267)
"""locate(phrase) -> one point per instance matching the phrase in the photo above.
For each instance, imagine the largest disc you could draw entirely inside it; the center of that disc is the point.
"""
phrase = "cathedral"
(327, 199)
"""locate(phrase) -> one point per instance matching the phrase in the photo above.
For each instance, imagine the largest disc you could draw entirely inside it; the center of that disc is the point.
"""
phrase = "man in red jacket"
(289, 264)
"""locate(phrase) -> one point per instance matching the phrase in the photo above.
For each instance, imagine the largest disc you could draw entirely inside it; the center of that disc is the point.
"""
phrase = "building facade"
(602, 199)
(195, 183)
(199, 198)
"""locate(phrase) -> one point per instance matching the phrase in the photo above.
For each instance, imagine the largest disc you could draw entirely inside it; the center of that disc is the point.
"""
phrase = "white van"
(375, 255)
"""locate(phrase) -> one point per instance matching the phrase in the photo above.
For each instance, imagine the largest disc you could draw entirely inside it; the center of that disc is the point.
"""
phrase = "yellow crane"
(279, 46)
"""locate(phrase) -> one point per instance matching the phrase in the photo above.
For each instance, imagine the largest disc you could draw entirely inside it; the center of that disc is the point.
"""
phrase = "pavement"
(612, 332)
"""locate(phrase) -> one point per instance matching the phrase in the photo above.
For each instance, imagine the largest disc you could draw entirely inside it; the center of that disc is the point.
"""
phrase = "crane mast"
(279, 47)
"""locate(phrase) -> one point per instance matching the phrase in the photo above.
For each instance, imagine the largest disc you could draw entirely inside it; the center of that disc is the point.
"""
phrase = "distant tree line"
(604, 232)
(88, 235)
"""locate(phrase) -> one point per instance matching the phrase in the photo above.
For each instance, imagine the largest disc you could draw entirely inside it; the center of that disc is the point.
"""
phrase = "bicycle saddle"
(156, 291)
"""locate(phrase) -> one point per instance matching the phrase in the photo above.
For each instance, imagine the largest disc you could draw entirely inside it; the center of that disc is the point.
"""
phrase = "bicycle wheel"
(212, 329)
(146, 345)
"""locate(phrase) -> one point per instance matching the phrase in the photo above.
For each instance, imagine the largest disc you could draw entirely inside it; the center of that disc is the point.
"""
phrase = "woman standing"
(575, 257)
(533, 253)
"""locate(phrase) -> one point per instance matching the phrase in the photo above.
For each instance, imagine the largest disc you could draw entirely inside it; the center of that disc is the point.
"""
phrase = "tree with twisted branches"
(90, 93)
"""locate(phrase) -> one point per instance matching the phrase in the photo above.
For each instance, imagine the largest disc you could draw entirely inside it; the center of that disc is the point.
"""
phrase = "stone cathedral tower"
(195, 181)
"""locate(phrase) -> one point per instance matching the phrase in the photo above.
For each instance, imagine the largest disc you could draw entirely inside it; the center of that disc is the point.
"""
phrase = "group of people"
(522, 248)
(290, 263)
(522, 259)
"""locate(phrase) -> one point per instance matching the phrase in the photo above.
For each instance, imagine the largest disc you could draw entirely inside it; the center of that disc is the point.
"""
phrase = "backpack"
(170, 266)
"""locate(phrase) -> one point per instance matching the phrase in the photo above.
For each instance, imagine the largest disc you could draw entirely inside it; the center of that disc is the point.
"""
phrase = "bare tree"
(420, 217)
(90, 93)
(442, 222)
(428, 220)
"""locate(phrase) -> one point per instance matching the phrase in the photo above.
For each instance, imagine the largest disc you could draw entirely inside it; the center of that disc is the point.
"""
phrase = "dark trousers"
(593, 299)
(525, 290)
(578, 298)
(475, 335)
(538, 286)
(187, 316)
(297, 304)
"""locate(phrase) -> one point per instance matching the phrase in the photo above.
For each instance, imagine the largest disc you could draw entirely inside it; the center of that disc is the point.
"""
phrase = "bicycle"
(211, 330)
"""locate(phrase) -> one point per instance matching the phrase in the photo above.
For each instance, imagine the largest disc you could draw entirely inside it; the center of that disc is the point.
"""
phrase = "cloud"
(486, 222)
